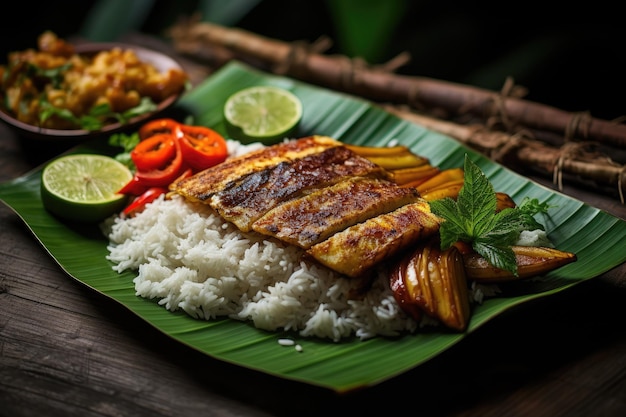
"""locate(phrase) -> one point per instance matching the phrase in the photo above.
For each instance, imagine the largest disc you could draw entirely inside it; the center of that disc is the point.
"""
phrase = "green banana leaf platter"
(596, 237)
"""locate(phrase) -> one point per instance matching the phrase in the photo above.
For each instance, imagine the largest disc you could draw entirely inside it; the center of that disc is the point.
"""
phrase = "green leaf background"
(595, 236)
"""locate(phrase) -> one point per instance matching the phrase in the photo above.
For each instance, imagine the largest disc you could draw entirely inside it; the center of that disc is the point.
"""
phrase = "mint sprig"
(473, 219)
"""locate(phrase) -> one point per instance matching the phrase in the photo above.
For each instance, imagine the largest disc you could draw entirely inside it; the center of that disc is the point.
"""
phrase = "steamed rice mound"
(187, 258)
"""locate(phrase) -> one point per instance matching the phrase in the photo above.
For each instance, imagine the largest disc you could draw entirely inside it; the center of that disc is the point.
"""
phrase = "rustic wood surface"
(66, 350)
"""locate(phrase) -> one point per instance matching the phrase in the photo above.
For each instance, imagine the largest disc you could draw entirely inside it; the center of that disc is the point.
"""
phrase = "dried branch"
(304, 62)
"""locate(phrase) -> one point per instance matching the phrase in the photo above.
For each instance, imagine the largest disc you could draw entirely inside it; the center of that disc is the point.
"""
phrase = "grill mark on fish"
(243, 189)
(357, 249)
(257, 193)
(204, 184)
(314, 217)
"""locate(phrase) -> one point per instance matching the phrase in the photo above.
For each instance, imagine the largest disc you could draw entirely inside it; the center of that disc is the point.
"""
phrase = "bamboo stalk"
(339, 73)
(520, 152)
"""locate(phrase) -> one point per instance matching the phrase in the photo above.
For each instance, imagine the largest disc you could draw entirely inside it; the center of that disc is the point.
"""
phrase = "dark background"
(571, 58)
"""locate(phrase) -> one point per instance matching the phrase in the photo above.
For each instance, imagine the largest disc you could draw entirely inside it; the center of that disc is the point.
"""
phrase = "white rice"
(189, 259)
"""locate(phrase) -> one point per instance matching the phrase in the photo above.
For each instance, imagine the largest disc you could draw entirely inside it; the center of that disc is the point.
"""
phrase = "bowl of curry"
(61, 91)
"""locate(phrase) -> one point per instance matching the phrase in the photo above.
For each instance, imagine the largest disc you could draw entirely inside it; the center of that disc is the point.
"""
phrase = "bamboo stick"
(337, 72)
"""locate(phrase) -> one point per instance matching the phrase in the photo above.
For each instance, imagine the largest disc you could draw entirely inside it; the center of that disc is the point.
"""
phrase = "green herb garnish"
(473, 219)
(98, 115)
(127, 142)
(54, 75)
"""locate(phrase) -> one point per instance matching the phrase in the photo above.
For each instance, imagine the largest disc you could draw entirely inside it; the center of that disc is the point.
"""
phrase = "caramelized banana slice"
(393, 157)
(366, 151)
(412, 177)
(433, 281)
(504, 201)
(447, 176)
(452, 191)
(397, 283)
(531, 261)
(452, 188)
(408, 160)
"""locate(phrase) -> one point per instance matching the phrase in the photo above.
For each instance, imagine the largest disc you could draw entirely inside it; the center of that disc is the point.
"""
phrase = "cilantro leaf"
(473, 218)
(529, 208)
(54, 75)
(98, 115)
(48, 110)
(146, 105)
(127, 142)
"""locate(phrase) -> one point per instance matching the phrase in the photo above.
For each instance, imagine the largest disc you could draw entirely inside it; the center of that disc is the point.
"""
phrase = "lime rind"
(262, 113)
(84, 188)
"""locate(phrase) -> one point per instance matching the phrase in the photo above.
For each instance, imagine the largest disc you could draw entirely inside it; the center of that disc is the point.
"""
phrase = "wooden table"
(65, 350)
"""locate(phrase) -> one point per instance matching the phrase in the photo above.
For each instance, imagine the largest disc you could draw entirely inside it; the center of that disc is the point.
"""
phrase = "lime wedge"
(262, 114)
(83, 187)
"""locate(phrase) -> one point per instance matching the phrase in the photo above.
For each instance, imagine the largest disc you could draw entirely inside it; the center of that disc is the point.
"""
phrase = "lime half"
(262, 114)
(83, 187)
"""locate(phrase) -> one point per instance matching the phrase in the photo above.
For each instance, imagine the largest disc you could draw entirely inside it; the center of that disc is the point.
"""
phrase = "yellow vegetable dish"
(56, 87)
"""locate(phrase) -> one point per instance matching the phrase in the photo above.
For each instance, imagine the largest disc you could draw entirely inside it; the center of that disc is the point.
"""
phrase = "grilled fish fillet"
(314, 217)
(257, 193)
(203, 185)
(358, 248)
(317, 194)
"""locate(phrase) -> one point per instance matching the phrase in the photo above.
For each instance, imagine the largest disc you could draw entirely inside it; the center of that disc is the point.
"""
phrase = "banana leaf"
(595, 236)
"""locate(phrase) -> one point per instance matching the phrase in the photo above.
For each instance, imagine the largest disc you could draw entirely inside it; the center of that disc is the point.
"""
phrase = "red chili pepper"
(133, 187)
(139, 203)
(154, 152)
(157, 126)
(169, 151)
(163, 177)
(201, 146)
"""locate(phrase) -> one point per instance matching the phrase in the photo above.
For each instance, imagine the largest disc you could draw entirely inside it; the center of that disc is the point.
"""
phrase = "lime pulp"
(262, 114)
(83, 187)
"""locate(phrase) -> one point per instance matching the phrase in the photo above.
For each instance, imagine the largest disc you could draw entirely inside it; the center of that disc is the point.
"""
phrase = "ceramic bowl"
(159, 60)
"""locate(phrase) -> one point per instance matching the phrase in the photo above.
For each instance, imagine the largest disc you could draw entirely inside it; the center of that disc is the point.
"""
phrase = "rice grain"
(187, 258)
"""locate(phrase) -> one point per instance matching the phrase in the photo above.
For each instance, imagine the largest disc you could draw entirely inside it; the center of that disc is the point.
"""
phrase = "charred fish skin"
(314, 217)
(357, 249)
(243, 189)
(256, 194)
(203, 185)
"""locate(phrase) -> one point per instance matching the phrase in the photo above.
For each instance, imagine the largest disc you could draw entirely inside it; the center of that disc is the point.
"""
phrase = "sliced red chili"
(201, 146)
(157, 126)
(163, 177)
(133, 187)
(140, 202)
(154, 152)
